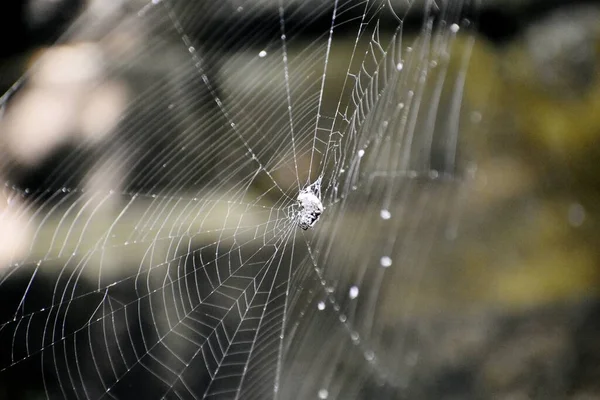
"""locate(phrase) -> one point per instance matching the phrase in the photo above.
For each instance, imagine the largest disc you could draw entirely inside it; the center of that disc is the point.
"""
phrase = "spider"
(310, 206)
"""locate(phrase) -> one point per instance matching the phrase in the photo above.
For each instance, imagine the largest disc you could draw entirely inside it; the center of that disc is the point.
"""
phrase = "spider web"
(165, 260)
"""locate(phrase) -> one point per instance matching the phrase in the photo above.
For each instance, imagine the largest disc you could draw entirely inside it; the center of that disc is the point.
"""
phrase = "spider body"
(310, 206)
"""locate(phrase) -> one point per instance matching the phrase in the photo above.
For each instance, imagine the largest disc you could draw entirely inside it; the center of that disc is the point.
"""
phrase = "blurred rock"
(564, 49)
(65, 99)
(15, 233)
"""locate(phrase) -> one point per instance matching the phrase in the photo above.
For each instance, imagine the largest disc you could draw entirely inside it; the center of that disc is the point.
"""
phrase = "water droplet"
(191, 49)
(323, 393)
(262, 54)
(283, 37)
(385, 261)
(321, 305)
(475, 117)
(353, 292)
(454, 28)
(342, 170)
(355, 337)
(385, 214)
(369, 355)
(343, 318)
(361, 153)
(433, 174)
(240, 9)
(399, 66)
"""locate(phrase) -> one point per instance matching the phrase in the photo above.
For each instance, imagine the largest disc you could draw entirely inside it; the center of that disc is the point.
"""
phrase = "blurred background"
(494, 272)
